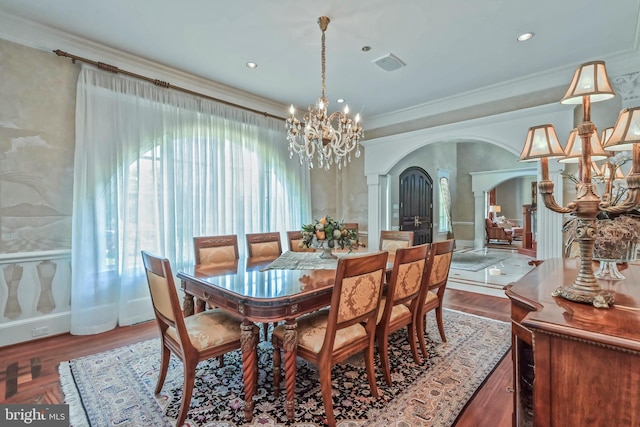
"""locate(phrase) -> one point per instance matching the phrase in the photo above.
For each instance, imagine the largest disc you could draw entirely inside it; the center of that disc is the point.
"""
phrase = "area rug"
(115, 388)
(475, 261)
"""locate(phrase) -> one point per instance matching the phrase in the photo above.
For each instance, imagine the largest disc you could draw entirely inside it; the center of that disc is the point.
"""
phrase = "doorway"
(416, 204)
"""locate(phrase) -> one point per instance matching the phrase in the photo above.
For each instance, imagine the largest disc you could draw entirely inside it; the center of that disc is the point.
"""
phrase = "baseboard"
(42, 326)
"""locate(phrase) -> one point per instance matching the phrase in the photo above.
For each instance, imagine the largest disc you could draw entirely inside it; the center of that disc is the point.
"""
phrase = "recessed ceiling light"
(339, 100)
(524, 37)
(251, 65)
(366, 48)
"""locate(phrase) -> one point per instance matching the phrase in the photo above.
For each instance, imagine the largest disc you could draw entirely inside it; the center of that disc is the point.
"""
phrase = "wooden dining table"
(247, 289)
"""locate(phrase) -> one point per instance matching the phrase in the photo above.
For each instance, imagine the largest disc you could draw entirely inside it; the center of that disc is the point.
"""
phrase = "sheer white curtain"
(154, 168)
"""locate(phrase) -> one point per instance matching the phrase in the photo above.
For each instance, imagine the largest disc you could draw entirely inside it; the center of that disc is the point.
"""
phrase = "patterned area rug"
(115, 388)
(475, 261)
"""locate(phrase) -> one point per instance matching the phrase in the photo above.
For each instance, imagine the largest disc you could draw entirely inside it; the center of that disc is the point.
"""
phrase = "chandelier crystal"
(331, 138)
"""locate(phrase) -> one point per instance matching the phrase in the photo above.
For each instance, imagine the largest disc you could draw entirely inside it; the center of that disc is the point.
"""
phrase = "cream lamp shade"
(573, 149)
(495, 209)
(542, 142)
(590, 79)
(626, 132)
(606, 134)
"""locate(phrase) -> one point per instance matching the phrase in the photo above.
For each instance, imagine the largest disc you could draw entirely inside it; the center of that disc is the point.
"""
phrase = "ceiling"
(452, 49)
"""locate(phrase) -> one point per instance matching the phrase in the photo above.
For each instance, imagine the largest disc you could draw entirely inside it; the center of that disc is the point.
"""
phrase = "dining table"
(264, 290)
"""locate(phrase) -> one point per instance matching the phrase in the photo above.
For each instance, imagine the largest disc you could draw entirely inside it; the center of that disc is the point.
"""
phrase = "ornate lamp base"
(599, 299)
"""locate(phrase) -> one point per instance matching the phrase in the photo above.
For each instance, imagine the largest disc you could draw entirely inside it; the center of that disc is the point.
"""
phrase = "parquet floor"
(29, 371)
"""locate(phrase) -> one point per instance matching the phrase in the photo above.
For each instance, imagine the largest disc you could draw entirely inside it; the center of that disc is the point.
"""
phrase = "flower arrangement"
(614, 237)
(327, 233)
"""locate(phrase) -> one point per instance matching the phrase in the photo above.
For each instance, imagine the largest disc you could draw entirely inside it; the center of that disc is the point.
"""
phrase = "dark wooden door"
(416, 204)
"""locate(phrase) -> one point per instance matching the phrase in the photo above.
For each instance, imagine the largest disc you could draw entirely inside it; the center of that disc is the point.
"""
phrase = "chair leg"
(383, 349)
(164, 366)
(324, 372)
(187, 390)
(411, 336)
(421, 321)
(440, 324)
(371, 373)
(277, 363)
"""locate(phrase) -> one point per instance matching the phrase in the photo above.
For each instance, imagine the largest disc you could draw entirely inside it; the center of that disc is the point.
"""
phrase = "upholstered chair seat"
(313, 327)
(397, 312)
(209, 328)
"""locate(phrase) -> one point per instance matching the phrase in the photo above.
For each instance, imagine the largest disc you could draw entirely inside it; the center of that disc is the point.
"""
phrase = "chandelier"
(331, 138)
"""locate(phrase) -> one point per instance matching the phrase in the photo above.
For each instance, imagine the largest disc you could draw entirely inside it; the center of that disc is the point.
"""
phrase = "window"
(155, 168)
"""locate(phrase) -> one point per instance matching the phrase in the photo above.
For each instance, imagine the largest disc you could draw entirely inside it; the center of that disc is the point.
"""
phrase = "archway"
(481, 184)
(504, 130)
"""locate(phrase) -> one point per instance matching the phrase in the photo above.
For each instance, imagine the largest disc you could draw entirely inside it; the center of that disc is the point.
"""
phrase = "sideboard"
(573, 364)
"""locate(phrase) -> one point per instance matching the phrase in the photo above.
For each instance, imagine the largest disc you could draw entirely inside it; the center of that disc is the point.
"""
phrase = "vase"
(327, 254)
(610, 257)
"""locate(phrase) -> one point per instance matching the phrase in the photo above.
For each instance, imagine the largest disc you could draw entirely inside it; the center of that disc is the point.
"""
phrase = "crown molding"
(422, 134)
(619, 64)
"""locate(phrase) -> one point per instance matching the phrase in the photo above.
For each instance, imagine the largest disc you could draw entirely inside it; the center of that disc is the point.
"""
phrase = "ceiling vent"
(389, 62)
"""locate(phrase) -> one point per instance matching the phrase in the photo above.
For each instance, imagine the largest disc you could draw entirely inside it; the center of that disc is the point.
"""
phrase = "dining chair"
(392, 240)
(295, 238)
(191, 339)
(332, 335)
(216, 249)
(264, 244)
(399, 305)
(433, 290)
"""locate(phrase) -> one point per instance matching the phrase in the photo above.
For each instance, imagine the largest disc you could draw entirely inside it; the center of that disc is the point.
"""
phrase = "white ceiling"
(450, 47)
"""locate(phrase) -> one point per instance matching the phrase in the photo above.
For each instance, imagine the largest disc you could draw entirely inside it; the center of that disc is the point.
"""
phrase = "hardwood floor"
(29, 371)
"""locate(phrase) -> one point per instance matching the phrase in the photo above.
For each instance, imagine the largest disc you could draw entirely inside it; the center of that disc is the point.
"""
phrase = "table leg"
(187, 305)
(249, 366)
(290, 344)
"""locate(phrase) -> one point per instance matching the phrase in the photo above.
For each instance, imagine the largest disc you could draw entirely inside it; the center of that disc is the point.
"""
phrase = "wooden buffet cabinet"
(575, 365)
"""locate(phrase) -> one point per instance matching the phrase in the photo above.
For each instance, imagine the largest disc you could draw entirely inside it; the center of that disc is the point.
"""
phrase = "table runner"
(306, 261)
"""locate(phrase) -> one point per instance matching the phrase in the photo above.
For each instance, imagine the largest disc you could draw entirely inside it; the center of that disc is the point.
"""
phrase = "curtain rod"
(160, 83)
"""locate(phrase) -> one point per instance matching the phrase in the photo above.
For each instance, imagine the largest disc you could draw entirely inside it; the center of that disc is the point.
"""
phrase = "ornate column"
(375, 208)
(549, 224)
(479, 232)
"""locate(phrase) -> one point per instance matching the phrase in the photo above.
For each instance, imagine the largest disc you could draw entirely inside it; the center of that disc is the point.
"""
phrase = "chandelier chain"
(323, 63)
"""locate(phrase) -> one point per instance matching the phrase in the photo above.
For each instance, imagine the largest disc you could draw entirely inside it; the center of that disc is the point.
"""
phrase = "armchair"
(494, 232)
